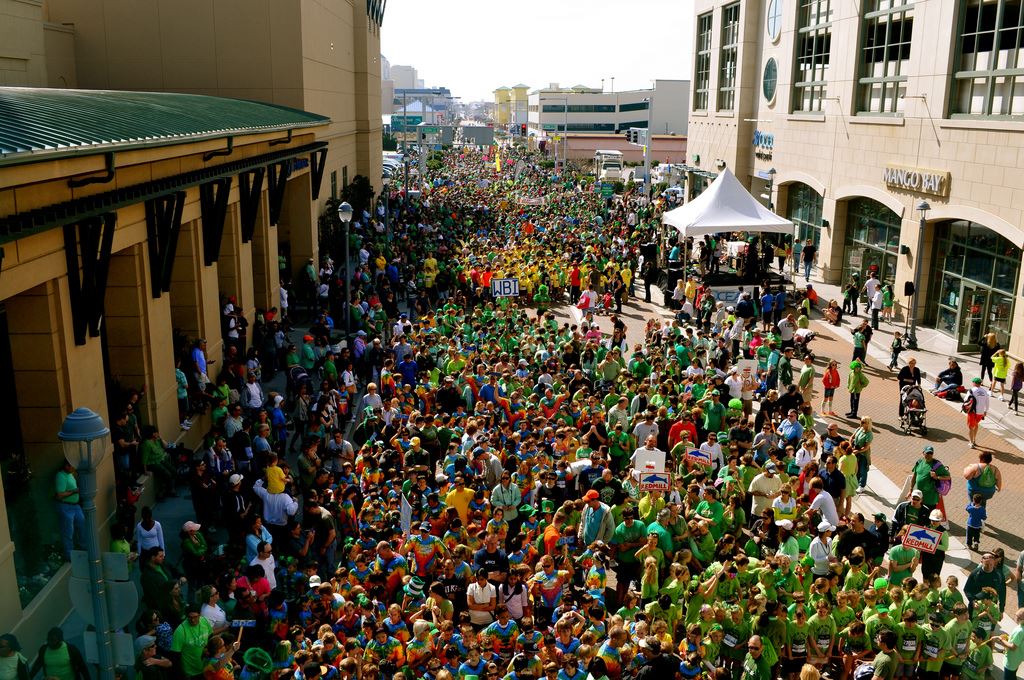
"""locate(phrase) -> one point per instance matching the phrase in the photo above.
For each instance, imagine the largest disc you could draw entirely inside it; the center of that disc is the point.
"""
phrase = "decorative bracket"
(213, 204)
(163, 224)
(250, 188)
(87, 246)
(317, 162)
(278, 175)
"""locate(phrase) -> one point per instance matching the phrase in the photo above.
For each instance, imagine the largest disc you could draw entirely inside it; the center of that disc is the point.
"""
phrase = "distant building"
(404, 77)
(583, 109)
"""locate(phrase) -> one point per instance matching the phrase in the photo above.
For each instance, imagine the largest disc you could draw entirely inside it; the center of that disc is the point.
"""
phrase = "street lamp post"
(648, 188)
(922, 208)
(345, 215)
(81, 435)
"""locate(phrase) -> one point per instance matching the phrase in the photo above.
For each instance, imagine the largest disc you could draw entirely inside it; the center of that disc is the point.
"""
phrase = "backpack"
(987, 477)
(943, 485)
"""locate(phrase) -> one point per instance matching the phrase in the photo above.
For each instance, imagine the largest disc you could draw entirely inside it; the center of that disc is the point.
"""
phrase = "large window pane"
(813, 50)
(989, 56)
(702, 64)
(727, 57)
(887, 28)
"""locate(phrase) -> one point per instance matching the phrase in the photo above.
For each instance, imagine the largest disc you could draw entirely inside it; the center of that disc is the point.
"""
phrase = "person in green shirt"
(822, 632)
(797, 632)
(70, 515)
(58, 659)
(885, 660)
(754, 665)
(710, 510)
(902, 561)
(1013, 643)
(928, 473)
(979, 656)
(958, 637)
(714, 412)
(189, 641)
(934, 646)
(909, 646)
(628, 537)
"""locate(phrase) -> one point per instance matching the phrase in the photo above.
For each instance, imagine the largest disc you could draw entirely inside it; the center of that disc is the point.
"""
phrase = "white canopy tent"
(725, 206)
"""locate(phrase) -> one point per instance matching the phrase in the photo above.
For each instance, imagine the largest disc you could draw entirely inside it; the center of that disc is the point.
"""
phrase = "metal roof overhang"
(19, 225)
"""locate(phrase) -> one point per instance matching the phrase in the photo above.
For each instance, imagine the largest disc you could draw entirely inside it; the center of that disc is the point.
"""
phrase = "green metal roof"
(44, 123)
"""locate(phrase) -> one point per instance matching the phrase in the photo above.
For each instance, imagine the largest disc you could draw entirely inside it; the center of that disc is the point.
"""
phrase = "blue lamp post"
(82, 435)
(345, 215)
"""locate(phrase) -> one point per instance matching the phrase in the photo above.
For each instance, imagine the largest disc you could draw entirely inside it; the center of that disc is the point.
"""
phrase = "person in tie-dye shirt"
(547, 586)
(392, 566)
(425, 551)
(385, 650)
(501, 634)
(611, 652)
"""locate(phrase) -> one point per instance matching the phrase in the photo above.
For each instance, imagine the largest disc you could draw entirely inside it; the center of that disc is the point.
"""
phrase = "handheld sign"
(505, 288)
(922, 538)
(243, 623)
(653, 481)
(698, 457)
(648, 461)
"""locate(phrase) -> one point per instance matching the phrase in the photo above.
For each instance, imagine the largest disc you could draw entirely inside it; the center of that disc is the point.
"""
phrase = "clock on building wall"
(770, 80)
(774, 19)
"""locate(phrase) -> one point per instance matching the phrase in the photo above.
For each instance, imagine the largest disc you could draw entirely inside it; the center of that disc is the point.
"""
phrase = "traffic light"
(628, 134)
(523, 129)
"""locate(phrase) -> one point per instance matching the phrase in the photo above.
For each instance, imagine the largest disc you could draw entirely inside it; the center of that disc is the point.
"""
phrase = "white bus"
(607, 165)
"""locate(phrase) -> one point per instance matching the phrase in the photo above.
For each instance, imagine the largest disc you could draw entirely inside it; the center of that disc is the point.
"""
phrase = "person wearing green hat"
(975, 406)
(856, 381)
(714, 411)
(930, 476)
(628, 537)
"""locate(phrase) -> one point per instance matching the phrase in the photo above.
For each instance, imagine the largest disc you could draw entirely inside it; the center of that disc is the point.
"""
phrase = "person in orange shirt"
(553, 532)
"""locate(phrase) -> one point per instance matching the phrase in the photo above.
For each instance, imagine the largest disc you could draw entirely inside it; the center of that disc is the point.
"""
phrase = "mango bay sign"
(921, 181)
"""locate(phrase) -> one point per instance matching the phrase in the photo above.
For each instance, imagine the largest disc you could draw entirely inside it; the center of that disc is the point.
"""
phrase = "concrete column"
(235, 266)
(140, 346)
(833, 239)
(52, 377)
(195, 307)
(266, 276)
(299, 225)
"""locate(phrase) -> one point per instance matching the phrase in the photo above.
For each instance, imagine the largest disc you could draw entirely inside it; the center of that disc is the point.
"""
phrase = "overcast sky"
(475, 46)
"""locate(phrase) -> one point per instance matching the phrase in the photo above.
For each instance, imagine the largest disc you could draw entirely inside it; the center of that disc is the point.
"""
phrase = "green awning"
(43, 123)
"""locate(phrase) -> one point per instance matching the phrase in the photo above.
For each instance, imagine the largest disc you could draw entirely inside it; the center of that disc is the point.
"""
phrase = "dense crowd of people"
(478, 487)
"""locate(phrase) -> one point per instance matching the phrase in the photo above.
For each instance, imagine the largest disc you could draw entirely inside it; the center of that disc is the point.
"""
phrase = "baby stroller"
(913, 410)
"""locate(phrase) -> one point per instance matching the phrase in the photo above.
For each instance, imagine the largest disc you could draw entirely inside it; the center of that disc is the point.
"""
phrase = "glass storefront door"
(972, 318)
(973, 284)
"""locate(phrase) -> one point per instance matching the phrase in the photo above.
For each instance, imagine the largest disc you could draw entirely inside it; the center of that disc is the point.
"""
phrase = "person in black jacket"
(658, 665)
(949, 380)
(880, 530)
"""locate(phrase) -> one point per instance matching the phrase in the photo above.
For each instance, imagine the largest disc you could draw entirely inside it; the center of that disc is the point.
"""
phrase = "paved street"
(894, 452)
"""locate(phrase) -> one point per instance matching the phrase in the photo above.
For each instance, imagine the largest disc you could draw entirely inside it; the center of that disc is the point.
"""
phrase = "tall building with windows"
(864, 110)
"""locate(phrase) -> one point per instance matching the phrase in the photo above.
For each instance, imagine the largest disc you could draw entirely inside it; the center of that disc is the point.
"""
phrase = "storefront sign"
(763, 144)
(920, 181)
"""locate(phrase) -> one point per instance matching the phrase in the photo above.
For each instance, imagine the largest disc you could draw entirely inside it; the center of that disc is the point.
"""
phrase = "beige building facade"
(864, 110)
(179, 196)
(117, 254)
(314, 55)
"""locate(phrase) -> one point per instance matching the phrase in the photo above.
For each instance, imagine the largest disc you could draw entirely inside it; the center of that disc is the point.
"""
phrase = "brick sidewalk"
(894, 452)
